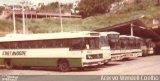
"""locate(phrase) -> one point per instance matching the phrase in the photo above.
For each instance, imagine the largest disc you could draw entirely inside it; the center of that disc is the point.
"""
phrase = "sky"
(11, 2)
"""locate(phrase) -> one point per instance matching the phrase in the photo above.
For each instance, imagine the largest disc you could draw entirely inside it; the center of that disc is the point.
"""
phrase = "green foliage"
(157, 2)
(1, 9)
(127, 13)
(54, 7)
(6, 26)
(93, 7)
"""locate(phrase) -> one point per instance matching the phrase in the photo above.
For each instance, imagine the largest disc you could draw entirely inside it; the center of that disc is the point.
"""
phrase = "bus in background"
(128, 46)
(156, 48)
(138, 46)
(113, 38)
(62, 50)
(148, 47)
(104, 45)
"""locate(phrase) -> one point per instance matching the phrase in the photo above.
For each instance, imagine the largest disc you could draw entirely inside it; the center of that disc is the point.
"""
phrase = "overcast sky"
(33, 1)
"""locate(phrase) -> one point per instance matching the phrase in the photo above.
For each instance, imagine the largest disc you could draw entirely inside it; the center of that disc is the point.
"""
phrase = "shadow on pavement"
(56, 69)
(126, 59)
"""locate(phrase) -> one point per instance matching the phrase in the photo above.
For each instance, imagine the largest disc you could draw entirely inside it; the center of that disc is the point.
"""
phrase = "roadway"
(148, 65)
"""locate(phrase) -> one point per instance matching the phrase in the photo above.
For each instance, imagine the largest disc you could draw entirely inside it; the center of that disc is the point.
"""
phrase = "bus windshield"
(103, 41)
(113, 41)
(124, 43)
(84, 43)
(76, 44)
(149, 43)
(92, 43)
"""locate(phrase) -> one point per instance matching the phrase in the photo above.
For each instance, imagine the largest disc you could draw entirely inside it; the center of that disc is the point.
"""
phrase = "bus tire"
(63, 65)
(8, 64)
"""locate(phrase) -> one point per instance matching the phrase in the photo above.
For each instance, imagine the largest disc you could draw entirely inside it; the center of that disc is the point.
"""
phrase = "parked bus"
(128, 46)
(116, 53)
(104, 44)
(61, 50)
(148, 47)
(157, 47)
(137, 48)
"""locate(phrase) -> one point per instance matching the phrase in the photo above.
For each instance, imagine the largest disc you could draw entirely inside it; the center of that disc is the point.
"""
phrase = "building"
(139, 29)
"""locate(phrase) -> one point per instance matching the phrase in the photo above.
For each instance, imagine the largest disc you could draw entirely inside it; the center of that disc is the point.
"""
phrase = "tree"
(93, 7)
(157, 2)
(1, 9)
(54, 7)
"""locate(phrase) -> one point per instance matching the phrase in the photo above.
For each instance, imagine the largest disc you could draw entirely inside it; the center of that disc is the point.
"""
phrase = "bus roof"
(113, 32)
(129, 36)
(107, 33)
(43, 36)
(123, 36)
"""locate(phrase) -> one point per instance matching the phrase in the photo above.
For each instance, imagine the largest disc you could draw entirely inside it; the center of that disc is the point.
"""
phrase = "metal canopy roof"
(139, 29)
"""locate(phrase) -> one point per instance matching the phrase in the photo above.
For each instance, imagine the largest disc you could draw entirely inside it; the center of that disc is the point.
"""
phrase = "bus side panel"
(1, 61)
(75, 62)
(34, 61)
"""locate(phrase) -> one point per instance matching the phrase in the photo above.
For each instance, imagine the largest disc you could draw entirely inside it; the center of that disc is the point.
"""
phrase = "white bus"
(104, 45)
(116, 53)
(148, 47)
(61, 50)
(127, 46)
(131, 45)
(137, 45)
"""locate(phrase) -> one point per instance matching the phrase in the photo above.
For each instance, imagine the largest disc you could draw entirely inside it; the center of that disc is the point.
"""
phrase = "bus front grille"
(94, 56)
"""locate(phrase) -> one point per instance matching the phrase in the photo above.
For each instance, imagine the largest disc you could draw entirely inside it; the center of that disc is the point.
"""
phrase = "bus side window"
(76, 44)
(122, 44)
(58, 43)
(1, 45)
(66, 42)
(119, 44)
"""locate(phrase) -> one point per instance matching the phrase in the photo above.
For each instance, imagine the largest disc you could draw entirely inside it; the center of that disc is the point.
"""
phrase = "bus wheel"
(8, 64)
(63, 66)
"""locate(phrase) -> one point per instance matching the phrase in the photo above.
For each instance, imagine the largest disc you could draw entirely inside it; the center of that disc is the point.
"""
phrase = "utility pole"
(23, 17)
(14, 21)
(60, 11)
(132, 29)
(27, 5)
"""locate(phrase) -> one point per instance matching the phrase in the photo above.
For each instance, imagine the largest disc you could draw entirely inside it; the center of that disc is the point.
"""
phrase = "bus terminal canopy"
(139, 29)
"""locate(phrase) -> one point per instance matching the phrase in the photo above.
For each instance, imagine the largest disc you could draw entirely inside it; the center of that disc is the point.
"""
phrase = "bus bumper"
(93, 63)
(150, 52)
(117, 57)
(132, 55)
